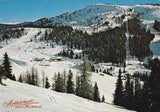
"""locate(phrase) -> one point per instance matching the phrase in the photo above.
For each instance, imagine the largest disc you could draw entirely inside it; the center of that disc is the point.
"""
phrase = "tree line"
(8, 33)
(139, 40)
(63, 82)
(104, 46)
(137, 94)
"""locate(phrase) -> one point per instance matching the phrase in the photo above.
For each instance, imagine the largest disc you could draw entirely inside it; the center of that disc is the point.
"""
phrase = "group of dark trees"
(6, 70)
(69, 53)
(154, 4)
(82, 87)
(139, 40)
(105, 46)
(108, 46)
(7, 33)
(30, 77)
(63, 82)
(156, 25)
(137, 94)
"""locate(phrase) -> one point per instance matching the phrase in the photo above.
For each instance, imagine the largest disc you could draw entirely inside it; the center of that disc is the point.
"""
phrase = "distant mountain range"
(96, 16)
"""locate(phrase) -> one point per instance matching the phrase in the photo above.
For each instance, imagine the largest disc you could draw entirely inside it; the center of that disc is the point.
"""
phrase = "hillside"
(102, 16)
(22, 53)
(42, 41)
(50, 100)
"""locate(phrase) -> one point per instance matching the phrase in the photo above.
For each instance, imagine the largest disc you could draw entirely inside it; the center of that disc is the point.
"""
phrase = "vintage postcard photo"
(79, 55)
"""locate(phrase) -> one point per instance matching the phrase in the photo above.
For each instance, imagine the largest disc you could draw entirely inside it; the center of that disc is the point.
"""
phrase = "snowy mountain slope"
(91, 18)
(147, 12)
(84, 17)
(12, 25)
(99, 17)
(51, 101)
(22, 53)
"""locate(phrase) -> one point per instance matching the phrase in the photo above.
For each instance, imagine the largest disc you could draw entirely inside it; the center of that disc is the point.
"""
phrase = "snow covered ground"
(51, 101)
(22, 53)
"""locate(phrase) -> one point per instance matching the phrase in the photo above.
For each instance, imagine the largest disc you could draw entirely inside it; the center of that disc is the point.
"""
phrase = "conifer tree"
(93, 68)
(7, 66)
(53, 86)
(32, 76)
(70, 84)
(71, 54)
(37, 80)
(131, 96)
(13, 77)
(59, 83)
(128, 93)
(47, 85)
(2, 74)
(154, 86)
(145, 97)
(86, 86)
(28, 78)
(84, 69)
(78, 85)
(43, 79)
(86, 90)
(20, 78)
(156, 25)
(137, 92)
(64, 78)
(96, 93)
(118, 96)
(103, 98)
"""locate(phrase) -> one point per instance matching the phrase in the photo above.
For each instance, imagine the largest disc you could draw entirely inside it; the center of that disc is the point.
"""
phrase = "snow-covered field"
(51, 101)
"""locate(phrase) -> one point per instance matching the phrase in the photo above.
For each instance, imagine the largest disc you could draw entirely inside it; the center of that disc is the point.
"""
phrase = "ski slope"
(51, 101)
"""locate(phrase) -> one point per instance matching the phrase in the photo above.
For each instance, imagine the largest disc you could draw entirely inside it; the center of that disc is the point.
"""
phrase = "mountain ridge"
(95, 16)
